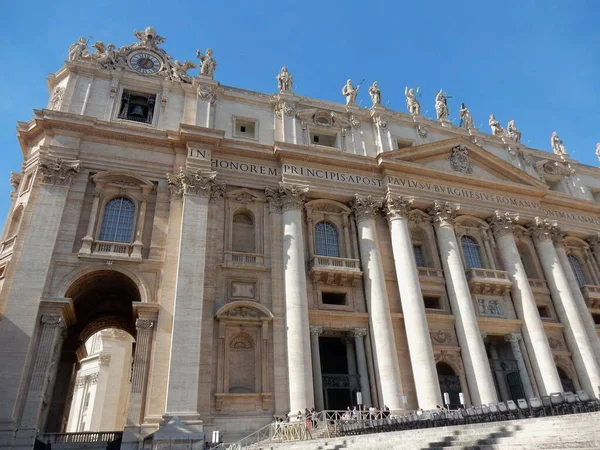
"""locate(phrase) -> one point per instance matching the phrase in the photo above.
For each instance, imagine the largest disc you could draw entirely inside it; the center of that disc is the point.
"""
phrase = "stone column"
(413, 307)
(584, 312)
(363, 371)
(30, 265)
(291, 199)
(384, 344)
(88, 239)
(315, 332)
(350, 357)
(499, 373)
(196, 189)
(543, 231)
(534, 333)
(514, 339)
(477, 368)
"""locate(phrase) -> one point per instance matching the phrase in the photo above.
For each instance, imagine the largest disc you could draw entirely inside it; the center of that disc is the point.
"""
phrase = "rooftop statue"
(441, 106)
(598, 151)
(497, 130)
(208, 63)
(105, 56)
(466, 120)
(557, 145)
(79, 50)
(350, 92)
(285, 80)
(412, 103)
(513, 132)
(375, 94)
(178, 71)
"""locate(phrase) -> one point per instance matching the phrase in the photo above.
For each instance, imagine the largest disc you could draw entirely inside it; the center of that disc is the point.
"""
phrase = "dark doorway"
(337, 383)
(450, 383)
(565, 380)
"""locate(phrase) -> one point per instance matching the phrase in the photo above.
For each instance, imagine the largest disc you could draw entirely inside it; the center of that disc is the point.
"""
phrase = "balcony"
(335, 271)
(539, 286)
(488, 281)
(240, 259)
(106, 250)
(591, 294)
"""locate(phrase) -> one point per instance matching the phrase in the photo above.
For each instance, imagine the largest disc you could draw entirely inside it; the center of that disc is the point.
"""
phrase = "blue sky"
(537, 62)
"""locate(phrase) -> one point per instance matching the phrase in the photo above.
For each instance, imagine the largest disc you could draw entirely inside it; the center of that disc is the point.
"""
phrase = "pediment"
(461, 157)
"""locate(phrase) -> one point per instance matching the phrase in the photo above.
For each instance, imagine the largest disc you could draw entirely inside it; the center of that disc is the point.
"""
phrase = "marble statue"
(441, 106)
(466, 120)
(178, 71)
(557, 145)
(105, 56)
(375, 94)
(350, 92)
(285, 80)
(598, 151)
(412, 103)
(497, 130)
(79, 50)
(208, 63)
(513, 132)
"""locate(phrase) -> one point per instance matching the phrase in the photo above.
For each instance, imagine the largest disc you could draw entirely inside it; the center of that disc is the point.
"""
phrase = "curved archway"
(449, 384)
(102, 299)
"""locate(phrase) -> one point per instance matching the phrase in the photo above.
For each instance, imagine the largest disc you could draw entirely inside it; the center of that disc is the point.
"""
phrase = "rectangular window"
(403, 143)
(432, 302)
(244, 128)
(327, 140)
(419, 261)
(333, 298)
(137, 106)
(544, 311)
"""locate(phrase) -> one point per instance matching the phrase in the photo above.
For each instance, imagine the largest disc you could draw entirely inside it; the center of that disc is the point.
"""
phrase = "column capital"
(513, 337)
(397, 207)
(483, 335)
(503, 223)
(443, 213)
(58, 171)
(359, 332)
(543, 229)
(201, 183)
(286, 197)
(144, 324)
(365, 207)
(52, 320)
(594, 242)
(316, 331)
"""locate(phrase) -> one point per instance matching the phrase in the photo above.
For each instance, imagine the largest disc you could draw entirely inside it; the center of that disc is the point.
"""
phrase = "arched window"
(242, 237)
(470, 249)
(578, 270)
(117, 225)
(327, 240)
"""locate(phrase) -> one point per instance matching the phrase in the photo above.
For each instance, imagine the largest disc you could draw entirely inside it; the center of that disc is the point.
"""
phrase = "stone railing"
(488, 281)
(81, 437)
(539, 286)
(335, 271)
(591, 294)
(338, 263)
(8, 244)
(430, 272)
(115, 248)
(243, 258)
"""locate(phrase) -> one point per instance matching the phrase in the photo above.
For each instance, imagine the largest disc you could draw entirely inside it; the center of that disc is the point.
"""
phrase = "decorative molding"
(556, 343)
(316, 330)
(459, 160)
(56, 98)
(544, 229)
(443, 213)
(104, 359)
(365, 207)
(513, 337)
(207, 93)
(195, 183)
(144, 324)
(285, 197)
(503, 223)
(58, 171)
(52, 320)
(242, 312)
(397, 207)
(359, 332)
(442, 337)
(241, 341)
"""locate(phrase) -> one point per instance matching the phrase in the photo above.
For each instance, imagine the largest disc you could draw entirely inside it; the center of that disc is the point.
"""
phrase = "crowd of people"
(364, 413)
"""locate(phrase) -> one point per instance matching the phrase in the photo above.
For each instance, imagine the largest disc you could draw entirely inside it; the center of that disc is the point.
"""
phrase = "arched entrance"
(565, 380)
(102, 300)
(449, 383)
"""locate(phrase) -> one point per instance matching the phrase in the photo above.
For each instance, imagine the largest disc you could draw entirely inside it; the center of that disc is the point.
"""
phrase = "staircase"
(576, 431)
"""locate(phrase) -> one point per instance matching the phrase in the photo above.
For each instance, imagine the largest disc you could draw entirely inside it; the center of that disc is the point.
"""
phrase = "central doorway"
(339, 385)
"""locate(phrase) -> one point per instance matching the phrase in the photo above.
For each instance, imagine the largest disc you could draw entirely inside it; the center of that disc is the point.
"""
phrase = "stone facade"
(271, 252)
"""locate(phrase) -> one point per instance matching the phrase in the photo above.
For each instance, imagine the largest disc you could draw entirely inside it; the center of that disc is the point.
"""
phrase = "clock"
(145, 62)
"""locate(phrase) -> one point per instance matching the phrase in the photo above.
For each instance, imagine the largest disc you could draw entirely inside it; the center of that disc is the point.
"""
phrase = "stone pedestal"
(413, 308)
(479, 375)
(384, 344)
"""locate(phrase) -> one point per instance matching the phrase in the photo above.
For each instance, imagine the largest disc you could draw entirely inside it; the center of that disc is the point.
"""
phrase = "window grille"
(117, 225)
(578, 270)
(470, 249)
(327, 240)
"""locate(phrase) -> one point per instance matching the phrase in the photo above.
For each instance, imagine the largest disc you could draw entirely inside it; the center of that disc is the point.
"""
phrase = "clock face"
(144, 62)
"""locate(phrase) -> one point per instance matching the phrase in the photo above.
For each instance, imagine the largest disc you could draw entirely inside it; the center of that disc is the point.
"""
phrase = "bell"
(137, 111)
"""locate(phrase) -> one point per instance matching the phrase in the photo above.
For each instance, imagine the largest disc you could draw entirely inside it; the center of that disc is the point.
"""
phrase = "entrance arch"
(102, 299)
(449, 383)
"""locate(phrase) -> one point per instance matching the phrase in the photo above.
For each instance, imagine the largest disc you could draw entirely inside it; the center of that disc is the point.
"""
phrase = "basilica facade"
(271, 252)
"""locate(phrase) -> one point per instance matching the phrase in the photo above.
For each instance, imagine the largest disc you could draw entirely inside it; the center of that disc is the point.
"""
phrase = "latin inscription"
(258, 169)
(323, 174)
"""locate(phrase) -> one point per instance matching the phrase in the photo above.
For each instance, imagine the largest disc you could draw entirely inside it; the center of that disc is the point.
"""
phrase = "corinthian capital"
(58, 171)
(286, 197)
(503, 223)
(186, 182)
(513, 337)
(144, 324)
(365, 207)
(544, 229)
(52, 320)
(594, 242)
(443, 213)
(397, 207)
(316, 331)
